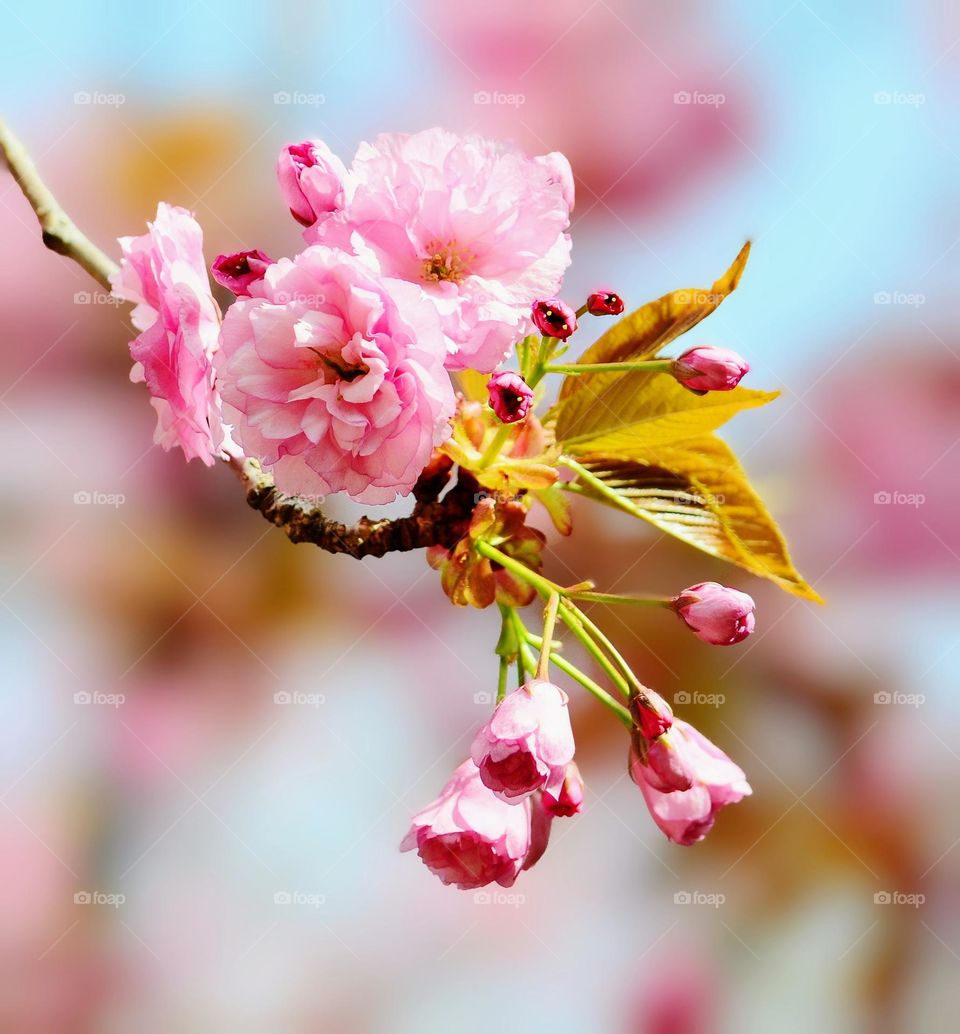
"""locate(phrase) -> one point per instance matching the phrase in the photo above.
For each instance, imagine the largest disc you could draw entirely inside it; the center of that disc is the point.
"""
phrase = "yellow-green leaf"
(644, 408)
(642, 333)
(697, 491)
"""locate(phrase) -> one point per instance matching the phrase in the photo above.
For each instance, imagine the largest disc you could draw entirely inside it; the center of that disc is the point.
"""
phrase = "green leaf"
(697, 491)
(641, 408)
(643, 333)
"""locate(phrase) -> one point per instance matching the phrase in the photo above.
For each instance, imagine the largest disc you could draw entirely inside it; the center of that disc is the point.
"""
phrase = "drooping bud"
(554, 318)
(707, 368)
(651, 714)
(569, 801)
(717, 614)
(604, 303)
(311, 180)
(238, 271)
(510, 396)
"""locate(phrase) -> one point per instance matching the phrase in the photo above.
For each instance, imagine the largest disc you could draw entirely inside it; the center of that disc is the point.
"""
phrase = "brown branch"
(433, 522)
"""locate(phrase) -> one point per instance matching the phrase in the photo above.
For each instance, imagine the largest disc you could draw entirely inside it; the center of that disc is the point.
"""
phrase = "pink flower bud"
(651, 713)
(570, 799)
(706, 368)
(510, 396)
(689, 781)
(604, 303)
(239, 271)
(469, 838)
(527, 744)
(554, 318)
(718, 615)
(311, 180)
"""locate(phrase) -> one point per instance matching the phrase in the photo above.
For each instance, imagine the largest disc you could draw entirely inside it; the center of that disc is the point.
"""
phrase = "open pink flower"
(685, 780)
(334, 378)
(527, 744)
(478, 226)
(164, 273)
(470, 838)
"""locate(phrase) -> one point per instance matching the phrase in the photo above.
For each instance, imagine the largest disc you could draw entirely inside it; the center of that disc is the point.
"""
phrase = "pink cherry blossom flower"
(569, 801)
(477, 225)
(312, 180)
(708, 368)
(554, 318)
(334, 378)
(685, 780)
(510, 396)
(239, 271)
(527, 744)
(604, 303)
(718, 615)
(164, 273)
(469, 838)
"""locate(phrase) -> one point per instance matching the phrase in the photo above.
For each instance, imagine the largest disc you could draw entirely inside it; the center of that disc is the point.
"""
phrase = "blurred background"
(183, 849)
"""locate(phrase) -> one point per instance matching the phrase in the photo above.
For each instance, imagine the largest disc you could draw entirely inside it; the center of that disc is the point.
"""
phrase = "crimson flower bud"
(651, 714)
(569, 801)
(707, 368)
(604, 303)
(311, 180)
(239, 271)
(718, 615)
(510, 396)
(554, 318)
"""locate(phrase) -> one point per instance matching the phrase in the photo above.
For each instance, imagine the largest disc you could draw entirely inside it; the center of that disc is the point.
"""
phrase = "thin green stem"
(549, 622)
(599, 486)
(497, 443)
(572, 619)
(651, 365)
(612, 597)
(502, 680)
(543, 585)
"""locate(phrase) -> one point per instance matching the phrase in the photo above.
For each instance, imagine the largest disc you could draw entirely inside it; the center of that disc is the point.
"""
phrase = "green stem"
(573, 620)
(612, 597)
(549, 622)
(652, 365)
(497, 443)
(547, 345)
(543, 585)
(595, 483)
(502, 680)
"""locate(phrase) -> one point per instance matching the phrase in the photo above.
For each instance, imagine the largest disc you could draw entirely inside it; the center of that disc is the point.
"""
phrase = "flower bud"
(604, 303)
(569, 801)
(718, 615)
(510, 396)
(554, 318)
(651, 714)
(239, 271)
(527, 744)
(706, 368)
(311, 180)
(688, 783)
